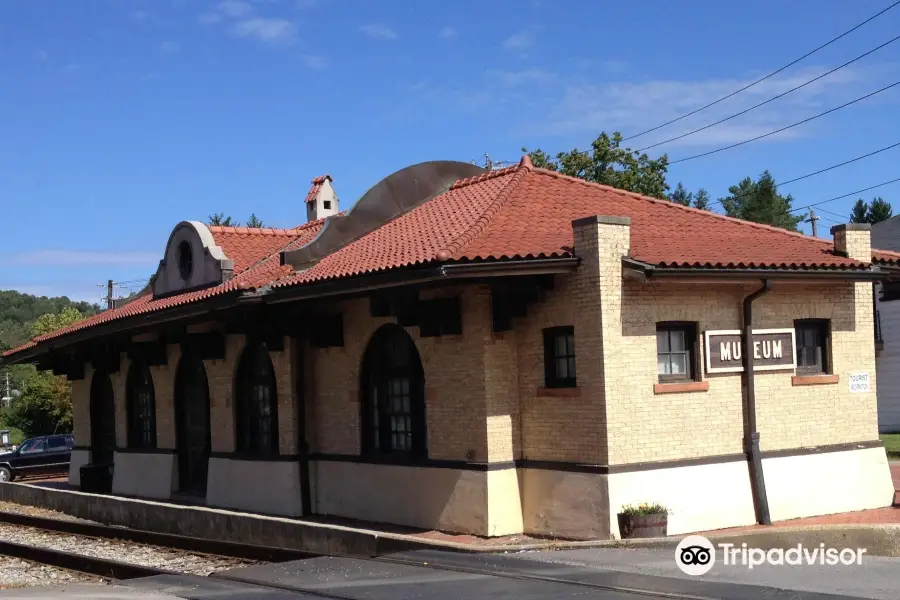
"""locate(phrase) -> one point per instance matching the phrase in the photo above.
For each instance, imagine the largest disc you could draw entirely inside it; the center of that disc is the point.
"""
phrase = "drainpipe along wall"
(751, 435)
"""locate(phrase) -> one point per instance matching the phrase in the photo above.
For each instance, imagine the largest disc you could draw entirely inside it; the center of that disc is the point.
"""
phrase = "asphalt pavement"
(608, 574)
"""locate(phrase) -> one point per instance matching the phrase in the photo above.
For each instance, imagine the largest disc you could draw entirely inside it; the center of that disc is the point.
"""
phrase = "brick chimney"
(853, 240)
(321, 201)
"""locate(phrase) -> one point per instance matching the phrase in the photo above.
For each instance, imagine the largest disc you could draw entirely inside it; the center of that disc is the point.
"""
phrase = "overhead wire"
(761, 79)
(820, 171)
(871, 187)
(773, 98)
(786, 127)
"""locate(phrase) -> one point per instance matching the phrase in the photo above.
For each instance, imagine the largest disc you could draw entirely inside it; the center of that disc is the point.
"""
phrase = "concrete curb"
(212, 523)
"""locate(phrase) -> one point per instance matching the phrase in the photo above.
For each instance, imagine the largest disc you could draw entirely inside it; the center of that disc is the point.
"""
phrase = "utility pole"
(109, 291)
(813, 220)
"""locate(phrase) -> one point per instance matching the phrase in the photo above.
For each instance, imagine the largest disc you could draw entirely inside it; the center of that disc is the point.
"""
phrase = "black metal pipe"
(751, 435)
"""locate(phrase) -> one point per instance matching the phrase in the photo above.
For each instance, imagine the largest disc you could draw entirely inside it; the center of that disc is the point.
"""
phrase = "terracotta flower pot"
(643, 526)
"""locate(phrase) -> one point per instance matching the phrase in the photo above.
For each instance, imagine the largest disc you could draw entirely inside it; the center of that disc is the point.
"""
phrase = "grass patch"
(891, 444)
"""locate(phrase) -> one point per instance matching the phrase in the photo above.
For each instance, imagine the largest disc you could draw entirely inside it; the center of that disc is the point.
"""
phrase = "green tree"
(760, 201)
(880, 210)
(681, 195)
(701, 200)
(876, 211)
(610, 164)
(224, 221)
(254, 221)
(860, 212)
(45, 405)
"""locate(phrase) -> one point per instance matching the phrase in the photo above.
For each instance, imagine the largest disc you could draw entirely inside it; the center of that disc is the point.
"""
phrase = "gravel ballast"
(137, 554)
(15, 573)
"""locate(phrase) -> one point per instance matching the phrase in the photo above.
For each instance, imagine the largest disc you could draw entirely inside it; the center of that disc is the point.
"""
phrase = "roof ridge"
(486, 216)
(485, 176)
(251, 230)
(677, 206)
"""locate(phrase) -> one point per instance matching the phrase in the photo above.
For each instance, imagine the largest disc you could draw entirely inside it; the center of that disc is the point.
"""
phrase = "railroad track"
(78, 546)
(486, 565)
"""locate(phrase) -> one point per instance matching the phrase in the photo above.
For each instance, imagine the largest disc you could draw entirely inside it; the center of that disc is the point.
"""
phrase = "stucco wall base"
(268, 487)
(700, 497)
(828, 483)
(78, 459)
(144, 475)
(565, 504)
(504, 503)
(429, 498)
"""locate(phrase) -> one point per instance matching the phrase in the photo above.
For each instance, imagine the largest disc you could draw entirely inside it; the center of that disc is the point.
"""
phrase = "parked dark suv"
(43, 455)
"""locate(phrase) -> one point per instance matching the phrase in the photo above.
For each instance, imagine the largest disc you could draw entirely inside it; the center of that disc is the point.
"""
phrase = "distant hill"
(18, 311)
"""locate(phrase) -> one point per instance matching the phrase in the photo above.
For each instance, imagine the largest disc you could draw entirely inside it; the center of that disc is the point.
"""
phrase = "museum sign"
(773, 349)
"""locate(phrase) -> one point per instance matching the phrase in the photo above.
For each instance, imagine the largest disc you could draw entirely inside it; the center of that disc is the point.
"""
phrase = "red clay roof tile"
(517, 212)
(316, 186)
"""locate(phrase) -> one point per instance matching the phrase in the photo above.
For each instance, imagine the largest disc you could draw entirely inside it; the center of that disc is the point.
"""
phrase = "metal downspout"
(751, 436)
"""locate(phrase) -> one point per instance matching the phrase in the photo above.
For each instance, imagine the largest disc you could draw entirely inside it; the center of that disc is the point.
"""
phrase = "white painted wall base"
(144, 475)
(79, 459)
(565, 504)
(268, 487)
(828, 483)
(426, 497)
(700, 497)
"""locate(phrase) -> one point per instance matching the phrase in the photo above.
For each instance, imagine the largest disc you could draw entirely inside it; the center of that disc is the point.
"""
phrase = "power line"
(832, 213)
(786, 127)
(760, 80)
(832, 167)
(773, 98)
(871, 187)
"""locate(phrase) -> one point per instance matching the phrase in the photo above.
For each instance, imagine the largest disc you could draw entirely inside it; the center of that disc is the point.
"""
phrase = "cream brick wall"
(164, 393)
(220, 375)
(455, 387)
(648, 427)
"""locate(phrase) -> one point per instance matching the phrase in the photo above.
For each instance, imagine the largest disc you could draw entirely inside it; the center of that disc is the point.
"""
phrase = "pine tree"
(860, 212)
(681, 195)
(879, 210)
(701, 200)
(759, 201)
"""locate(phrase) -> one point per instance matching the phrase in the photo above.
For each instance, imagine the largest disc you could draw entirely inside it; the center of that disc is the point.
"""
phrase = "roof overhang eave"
(421, 275)
(719, 275)
(131, 324)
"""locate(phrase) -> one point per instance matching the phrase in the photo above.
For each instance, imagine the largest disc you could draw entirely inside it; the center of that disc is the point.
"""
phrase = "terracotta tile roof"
(517, 212)
(316, 186)
(257, 258)
(886, 256)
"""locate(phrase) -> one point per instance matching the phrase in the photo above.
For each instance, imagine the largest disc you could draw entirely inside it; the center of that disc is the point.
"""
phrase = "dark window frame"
(691, 351)
(392, 384)
(140, 406)
(821, 360)
(553, 358)
(256, 403)
(185, 260)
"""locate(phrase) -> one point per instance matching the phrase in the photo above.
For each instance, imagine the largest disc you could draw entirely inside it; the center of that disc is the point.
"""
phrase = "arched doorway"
(393, 390)
(192, 424)
(103, 419)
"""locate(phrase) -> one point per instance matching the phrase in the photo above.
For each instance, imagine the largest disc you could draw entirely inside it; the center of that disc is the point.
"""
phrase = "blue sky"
(120, 118)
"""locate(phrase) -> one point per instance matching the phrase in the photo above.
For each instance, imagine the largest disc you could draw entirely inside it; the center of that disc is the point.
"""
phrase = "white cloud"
(314, 61)
(79, 258)
(631, 107)
(170, 47)
(448, 33)
(235, 8)
(270, 31)
(378, 31)
(521, 41)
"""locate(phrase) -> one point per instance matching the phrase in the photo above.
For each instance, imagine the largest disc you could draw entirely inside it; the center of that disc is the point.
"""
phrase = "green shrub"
(644, 509)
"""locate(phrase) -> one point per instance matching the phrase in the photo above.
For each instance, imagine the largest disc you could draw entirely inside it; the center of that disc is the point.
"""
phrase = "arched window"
(256, 404)
(393, 390)
(140, 401)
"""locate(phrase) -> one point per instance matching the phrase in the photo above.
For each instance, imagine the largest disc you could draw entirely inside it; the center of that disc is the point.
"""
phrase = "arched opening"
(256, 403)
(140, 403)
(393, 396)
(103, 419)
(192, 424)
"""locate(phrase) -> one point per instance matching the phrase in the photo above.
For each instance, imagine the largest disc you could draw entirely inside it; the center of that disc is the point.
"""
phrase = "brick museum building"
(489, 352)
